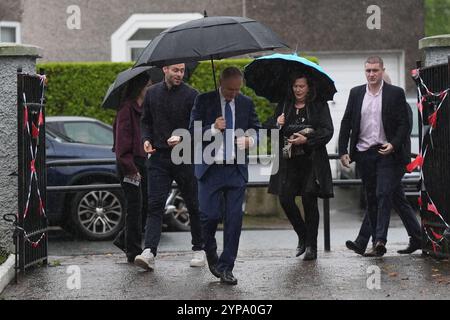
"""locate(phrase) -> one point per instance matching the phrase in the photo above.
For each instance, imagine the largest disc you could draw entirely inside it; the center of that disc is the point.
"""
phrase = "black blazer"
(395, 118)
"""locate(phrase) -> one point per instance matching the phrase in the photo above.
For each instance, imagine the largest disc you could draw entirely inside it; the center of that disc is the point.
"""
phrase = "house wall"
(10, 10)
(321, 25)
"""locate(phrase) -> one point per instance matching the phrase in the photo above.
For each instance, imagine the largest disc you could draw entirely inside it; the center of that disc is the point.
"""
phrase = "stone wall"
(11, 58)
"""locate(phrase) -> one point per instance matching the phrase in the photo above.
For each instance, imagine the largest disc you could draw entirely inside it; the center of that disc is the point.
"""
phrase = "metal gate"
(31, 230)
(433, 84)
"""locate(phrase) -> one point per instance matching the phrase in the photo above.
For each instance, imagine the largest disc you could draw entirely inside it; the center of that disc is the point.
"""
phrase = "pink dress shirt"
(371, 128)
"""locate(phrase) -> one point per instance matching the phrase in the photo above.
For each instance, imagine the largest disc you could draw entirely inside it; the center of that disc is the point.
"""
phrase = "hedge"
(78, 88)
(437, 16)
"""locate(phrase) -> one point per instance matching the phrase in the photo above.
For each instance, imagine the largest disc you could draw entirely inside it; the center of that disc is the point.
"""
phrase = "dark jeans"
(381, 176)
(131, 234)
(161, 173)
(221, 195)
(406, 213)
(308, 229)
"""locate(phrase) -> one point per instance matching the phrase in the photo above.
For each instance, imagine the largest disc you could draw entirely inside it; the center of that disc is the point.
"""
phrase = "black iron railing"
(326, 202)
(436, 169)
(31, 223)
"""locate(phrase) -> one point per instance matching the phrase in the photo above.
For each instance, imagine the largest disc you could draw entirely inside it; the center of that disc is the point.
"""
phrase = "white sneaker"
(199, 259)
(146, 260)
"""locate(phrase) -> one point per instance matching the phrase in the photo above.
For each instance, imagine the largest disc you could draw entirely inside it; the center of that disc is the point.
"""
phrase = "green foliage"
(77, 89)
(437, 17)
(3, 255)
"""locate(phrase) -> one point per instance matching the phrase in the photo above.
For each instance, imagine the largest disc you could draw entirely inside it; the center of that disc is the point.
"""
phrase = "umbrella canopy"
(209, 38)
(269, 76)
(115, 91)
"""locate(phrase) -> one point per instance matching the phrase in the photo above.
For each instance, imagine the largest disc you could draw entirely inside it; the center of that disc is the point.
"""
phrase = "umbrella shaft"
(214, 73)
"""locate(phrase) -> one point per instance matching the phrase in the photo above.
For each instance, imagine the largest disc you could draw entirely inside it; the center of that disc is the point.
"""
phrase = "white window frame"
(13, 24)
(121, 47)
(132, 44)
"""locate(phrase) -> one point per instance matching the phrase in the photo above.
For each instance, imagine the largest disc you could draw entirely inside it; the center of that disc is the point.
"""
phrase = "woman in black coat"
(304, 169)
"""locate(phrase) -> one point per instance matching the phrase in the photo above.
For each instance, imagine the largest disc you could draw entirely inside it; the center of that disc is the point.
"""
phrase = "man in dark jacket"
(406, 213)
(376, 123)
(167, 107)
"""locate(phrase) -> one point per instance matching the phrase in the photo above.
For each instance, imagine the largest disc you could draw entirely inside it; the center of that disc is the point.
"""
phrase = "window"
(88, 132)
(9, 32)
(138, 42)
(136, 33)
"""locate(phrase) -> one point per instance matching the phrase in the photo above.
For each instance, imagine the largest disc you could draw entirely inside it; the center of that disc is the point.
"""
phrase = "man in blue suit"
(222, 178)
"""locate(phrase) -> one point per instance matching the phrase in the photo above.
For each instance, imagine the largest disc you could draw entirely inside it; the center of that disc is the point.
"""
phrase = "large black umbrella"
(209, 38)
(115, 91)
(114, 94)
(269, 76)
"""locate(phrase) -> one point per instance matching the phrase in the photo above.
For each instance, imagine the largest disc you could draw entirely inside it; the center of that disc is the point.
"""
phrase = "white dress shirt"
(219, 154)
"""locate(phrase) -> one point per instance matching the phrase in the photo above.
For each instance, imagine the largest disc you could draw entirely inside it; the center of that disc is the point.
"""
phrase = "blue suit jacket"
(207, 109)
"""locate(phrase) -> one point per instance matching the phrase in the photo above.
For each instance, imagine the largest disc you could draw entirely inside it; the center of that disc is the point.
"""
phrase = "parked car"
(82, 129)
(410, 190)
(95, 215)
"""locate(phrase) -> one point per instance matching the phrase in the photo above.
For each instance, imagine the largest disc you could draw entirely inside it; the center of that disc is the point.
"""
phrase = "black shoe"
(380, 248)
(228, 278)
(354, 246)
(377, 250)
(413, 246)
(371, 253)
(310, 254)
(212, 264)
(131, 257)
(301, 247)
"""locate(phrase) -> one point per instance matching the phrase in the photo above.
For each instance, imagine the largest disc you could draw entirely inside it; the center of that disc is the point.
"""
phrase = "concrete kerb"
(7, 272)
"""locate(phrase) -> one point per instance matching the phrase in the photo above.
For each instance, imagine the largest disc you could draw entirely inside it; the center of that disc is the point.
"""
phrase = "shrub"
(78, 88)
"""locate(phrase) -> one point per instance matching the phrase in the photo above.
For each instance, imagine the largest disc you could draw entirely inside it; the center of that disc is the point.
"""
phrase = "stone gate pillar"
(12, 57)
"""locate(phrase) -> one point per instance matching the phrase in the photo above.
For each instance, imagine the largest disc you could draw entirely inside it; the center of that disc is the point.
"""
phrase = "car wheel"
(98, 215)
(178, 215)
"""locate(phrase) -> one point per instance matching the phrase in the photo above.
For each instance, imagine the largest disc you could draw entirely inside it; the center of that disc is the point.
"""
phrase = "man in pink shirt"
(376, 124)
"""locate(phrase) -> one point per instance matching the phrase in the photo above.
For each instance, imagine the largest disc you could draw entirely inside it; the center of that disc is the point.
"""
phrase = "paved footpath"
(266, 269)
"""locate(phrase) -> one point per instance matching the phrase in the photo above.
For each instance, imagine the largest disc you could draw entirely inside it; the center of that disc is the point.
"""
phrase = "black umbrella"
(209, 38)
(114, 94)
(270, 76)
(115, 91)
